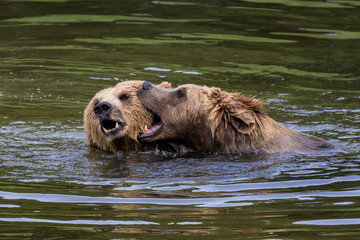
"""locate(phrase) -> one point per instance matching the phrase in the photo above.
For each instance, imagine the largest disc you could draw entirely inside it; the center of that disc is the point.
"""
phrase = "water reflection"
(300, 55)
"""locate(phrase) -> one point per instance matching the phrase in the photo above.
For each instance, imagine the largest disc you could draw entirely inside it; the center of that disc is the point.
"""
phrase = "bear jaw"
(154, 129)
(111, 128)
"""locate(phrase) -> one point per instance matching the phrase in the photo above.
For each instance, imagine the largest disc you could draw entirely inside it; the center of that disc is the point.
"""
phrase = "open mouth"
(154, 129)
(109, 126)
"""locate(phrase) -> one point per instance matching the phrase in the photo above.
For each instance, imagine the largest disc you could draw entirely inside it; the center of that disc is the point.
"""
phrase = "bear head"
(195, 116)
(114, 117)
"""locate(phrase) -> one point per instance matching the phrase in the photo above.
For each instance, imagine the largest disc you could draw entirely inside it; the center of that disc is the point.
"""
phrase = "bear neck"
(268, 136)
(279, 138)
(198, 138)
(125, 144)
(129, 144)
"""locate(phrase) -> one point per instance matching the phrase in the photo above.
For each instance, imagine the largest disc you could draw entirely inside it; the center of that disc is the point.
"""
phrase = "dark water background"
(302, 56)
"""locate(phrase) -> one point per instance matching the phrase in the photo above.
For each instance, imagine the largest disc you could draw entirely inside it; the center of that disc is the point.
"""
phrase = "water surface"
(301, 56)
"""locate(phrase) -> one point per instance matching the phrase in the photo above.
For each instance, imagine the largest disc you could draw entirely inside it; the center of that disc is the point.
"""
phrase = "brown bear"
(211, 120)
(114, 118)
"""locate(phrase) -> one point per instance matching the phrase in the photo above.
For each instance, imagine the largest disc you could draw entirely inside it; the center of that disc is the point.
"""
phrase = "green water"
(303, 57)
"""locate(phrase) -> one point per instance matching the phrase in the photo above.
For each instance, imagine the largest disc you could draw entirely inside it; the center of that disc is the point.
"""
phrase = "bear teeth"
(105, 130)
(109, 126)
(146, 128)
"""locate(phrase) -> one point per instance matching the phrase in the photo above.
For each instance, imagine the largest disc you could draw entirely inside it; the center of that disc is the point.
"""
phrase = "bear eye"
(181, 93)
(124, 96)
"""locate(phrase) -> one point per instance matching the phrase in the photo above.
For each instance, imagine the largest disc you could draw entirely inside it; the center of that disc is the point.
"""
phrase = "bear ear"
(242, 121)
(240, 116)
(232, 109)
(213, 93)
(165, 84)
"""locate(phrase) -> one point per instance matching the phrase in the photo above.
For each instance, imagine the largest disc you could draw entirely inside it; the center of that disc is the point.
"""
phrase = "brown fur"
(210, 120)
(128, 111)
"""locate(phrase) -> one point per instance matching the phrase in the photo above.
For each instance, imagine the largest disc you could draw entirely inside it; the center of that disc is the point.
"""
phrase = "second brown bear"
(206, 119)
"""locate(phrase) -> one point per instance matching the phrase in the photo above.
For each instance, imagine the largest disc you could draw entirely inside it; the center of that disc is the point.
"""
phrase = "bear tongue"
(152, 130)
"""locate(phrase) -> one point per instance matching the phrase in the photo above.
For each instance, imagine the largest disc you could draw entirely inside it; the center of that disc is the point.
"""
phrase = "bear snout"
(102, 108)
(146, 86)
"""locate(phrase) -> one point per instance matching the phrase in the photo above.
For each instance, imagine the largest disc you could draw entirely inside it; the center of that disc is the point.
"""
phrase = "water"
(302, 56)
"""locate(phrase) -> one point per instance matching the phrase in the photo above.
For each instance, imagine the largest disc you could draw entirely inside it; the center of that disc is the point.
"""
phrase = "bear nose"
(146, 86)
(102, 108)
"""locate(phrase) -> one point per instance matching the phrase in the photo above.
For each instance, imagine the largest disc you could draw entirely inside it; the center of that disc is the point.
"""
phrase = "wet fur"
(131, 112)
(211, 120)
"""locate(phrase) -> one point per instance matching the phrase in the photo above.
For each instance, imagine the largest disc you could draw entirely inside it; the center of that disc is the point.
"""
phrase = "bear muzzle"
(102, 109)
(107, 125)
(146, 86)
(111, 127)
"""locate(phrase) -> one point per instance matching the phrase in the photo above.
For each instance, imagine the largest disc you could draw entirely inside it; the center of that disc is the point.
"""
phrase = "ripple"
(227, 37)
(307, 4)
(79, 222)
(77, 18)
(331, 222)
(62, 198)
(238, 199)
(157, 69)
(8, 206)
(323, 34)
(276, 185)
(189, 223)
(141, 41)
(344, 203)
(188, 72)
